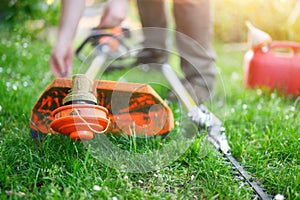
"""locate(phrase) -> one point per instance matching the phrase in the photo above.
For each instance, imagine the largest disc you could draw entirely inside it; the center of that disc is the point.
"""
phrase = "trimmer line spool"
(80, 117)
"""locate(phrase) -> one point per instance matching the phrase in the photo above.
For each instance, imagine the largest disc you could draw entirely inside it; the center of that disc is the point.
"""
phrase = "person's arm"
(115, 11)
(62, 54)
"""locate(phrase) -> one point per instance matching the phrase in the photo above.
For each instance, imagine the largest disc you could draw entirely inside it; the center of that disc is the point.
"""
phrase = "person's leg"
(154, 23)
(194, 42)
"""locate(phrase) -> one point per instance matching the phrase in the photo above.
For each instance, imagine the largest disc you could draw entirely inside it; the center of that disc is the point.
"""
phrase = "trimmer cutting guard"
(132, 108)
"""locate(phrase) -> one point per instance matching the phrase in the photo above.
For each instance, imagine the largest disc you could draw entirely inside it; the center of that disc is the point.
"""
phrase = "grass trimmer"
(82, 107)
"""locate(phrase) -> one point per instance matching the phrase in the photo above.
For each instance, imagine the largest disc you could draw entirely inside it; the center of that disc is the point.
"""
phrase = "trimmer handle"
(112, 37)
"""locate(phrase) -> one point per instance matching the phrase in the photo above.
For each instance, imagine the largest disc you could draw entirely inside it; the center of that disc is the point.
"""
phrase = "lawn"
(262, 129)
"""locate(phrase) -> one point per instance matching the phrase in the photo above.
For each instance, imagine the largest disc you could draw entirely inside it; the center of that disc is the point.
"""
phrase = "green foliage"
(272, 16)
(20, 11)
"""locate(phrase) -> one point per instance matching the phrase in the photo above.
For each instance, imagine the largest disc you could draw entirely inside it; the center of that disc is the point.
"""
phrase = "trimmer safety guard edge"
(132, 107)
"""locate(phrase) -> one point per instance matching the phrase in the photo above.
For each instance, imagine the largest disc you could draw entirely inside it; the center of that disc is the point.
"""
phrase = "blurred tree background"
(29, 18)
(279, 18)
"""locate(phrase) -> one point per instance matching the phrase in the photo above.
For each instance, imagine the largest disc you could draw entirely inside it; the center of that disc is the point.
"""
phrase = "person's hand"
(61, 60)
(62, 53)
(115, 11)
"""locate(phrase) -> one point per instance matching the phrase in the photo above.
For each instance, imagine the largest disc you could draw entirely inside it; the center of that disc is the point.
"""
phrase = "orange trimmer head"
(128, 108)
(82, 107)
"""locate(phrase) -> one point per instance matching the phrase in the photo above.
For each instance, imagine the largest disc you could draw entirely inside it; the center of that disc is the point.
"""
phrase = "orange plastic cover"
(132, 107)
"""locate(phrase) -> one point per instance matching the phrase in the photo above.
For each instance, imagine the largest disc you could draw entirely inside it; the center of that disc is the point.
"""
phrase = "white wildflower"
(259, 107)
(96, 188)
(192, 177)
(273, 95)
(14, 87)
(279, 197)
(259, 92)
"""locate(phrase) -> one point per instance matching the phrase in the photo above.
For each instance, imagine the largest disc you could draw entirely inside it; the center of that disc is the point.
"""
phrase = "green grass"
(262, 129)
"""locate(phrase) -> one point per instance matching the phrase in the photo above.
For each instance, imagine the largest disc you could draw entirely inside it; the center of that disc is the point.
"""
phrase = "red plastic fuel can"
(274, 66)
